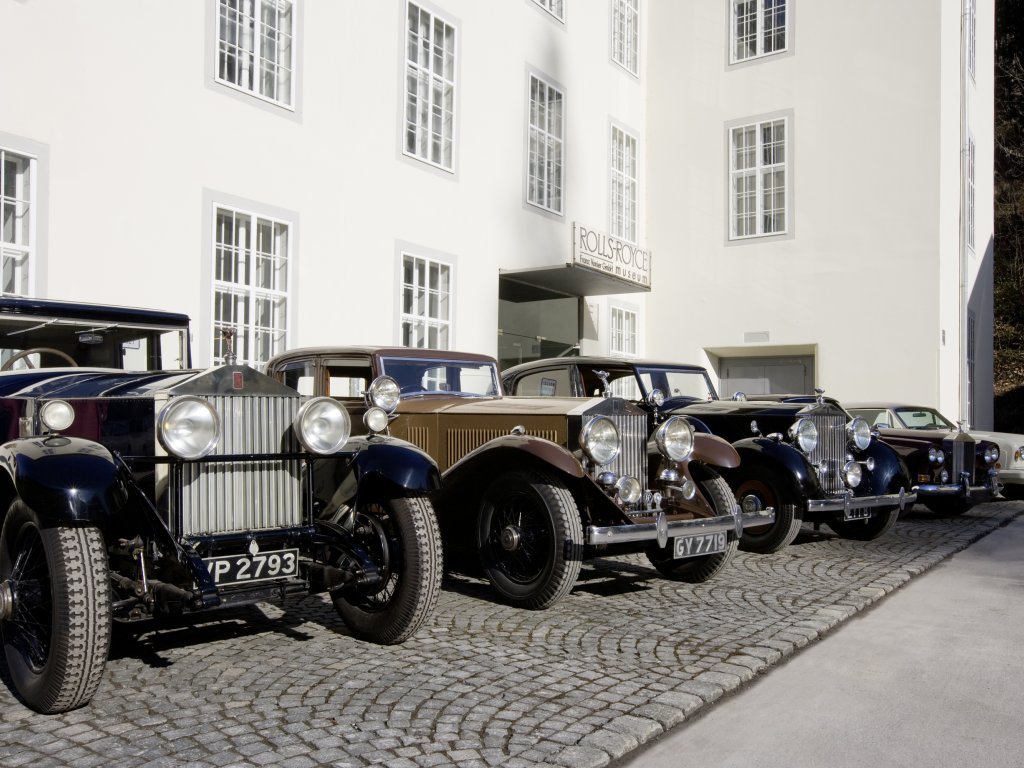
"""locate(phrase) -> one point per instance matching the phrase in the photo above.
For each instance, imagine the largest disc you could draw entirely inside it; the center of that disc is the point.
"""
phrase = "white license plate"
(245, 568)
(699, 544)
(857, 514)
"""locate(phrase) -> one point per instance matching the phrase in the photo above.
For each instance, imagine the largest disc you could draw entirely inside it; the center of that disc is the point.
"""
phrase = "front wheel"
(530, 538)
(56, 626)
(870, 528)
(695, 570)
(403, 539)
(759, 490)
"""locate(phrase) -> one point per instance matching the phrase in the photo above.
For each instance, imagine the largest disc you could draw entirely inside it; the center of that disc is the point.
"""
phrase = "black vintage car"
(134, 487)
(808, 460)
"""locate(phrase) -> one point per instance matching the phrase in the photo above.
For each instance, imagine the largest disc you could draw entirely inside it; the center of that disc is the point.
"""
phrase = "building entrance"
(531, 330)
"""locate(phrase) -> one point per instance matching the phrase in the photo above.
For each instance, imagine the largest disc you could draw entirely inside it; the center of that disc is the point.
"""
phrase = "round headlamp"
(991, 454)
(629, 489)
(384, 393)
(375, 419)
(804, 434)
(656, 398)
(57, 415)
(859, 433)
(853, 473)
(322, 425)
(675, 438)
(189, 428)
(600, 440)
(935, 455)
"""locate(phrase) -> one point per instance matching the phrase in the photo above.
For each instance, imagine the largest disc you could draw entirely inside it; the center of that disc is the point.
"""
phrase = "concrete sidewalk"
(932, 676)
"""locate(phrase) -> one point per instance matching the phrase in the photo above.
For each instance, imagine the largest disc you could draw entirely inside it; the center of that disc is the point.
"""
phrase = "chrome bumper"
(662, 530)
(846, 504)
(978, 493)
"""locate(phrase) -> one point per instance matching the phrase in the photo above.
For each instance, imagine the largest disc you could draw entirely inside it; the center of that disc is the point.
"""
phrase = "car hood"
(510, 405)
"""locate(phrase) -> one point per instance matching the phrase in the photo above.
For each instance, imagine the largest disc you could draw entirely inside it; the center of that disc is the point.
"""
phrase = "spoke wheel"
(530, 538)
(404, 541)
(56, 633)
(758, 491)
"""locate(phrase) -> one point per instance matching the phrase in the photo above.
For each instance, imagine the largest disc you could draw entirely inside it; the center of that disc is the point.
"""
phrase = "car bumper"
(973, 493)
(662, 529)
(853, 507)
(1013, 476)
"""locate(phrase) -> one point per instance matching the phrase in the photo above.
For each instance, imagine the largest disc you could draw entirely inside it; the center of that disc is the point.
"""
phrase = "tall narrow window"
(623, 332)
(969, 212)
(972, 37)
(429, 88)
(426, 302)
(759, 28)
(626, 34)
(758, 179)
(555, 7)
(16, 212)
(255, 47)
(250, 286)
(544, 174)
(624, 185)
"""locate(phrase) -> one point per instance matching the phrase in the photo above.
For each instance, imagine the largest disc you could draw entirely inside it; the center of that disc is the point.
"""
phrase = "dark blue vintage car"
(135, 487)
(808, 460)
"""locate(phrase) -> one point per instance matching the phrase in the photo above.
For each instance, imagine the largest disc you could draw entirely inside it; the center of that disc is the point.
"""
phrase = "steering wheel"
(33, 351)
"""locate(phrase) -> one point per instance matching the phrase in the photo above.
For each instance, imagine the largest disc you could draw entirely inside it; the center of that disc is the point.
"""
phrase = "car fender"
(890, 473)
(64, 479)
(546, 451)
(397, 461)
(796, 478)
(713, 450)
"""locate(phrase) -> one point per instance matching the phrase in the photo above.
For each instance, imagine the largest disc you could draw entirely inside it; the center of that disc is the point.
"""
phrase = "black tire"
(57, 637)
(868, 529)
(526, 522)
(403, 538)
(761, 491)
(948, 507)
(695, 570)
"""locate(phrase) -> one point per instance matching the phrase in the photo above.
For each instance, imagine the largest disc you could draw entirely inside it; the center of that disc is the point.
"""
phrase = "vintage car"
(954, 469)
(808, 461)
(531, 486)
(134, 488)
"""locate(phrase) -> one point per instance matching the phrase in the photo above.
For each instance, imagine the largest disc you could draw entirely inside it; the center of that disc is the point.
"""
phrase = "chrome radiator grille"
(222, 497)
(963, 460)
(632, 458)
(829, 456)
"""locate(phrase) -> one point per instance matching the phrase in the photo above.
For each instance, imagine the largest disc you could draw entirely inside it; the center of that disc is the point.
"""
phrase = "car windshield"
(677, 382)
(922, 418)
(48, 342)
(428, 376)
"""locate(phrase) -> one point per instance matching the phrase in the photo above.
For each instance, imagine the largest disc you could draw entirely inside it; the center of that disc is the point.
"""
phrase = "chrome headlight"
(600, 440)
(57, 415)
(1019, 453)
(656, 398)
(853, 473)
(189, 428)
(629, 489)
(384, 393)
(991, 454)
(859, 433)
(375, 419)
(675, 438)
(322, 425)
(804, 434)
(935, 455)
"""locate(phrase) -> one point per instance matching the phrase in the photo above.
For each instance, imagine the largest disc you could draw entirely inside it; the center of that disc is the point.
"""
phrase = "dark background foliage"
(1009, 216)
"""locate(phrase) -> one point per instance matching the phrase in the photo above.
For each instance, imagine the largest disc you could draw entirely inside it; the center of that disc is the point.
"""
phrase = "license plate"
(857, 514)
(246, 568)
(699, 544)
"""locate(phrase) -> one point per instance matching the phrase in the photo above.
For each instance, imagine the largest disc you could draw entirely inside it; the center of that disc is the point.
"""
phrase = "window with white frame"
(758, 199)
(972, 37)
(555, 7)
(256, 47)
(624, 185)
(626, 35)
(426, 302)
(544, 172)
(429, 88)
(759, 28)
(623, 332)
(16, 212)
(250, 286)
(969, 193)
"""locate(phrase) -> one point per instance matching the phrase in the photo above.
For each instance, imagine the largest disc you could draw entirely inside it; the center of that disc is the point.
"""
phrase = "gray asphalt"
(932, 676)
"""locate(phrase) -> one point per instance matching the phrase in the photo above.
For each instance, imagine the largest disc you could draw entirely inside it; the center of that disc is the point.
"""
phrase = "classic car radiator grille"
(963, 460)
(462, 441)
(632, 458)
(829, 455)
(220, 497)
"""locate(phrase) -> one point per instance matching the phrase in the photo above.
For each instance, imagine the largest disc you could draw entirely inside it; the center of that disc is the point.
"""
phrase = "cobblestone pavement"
(624, 657)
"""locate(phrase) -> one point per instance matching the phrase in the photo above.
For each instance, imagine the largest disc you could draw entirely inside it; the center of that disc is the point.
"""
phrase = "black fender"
(796, 480)
(66, 480)
(890, 473)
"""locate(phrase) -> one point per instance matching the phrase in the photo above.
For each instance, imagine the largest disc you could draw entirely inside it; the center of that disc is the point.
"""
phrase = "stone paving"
(626, 656)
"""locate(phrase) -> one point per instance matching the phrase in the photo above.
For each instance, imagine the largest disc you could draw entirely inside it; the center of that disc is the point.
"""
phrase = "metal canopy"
(559, 282)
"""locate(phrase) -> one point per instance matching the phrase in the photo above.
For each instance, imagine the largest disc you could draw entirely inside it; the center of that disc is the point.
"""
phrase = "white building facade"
(769, 191)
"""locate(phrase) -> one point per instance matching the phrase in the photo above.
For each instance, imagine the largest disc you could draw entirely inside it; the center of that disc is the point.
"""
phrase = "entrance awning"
(559, 282)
